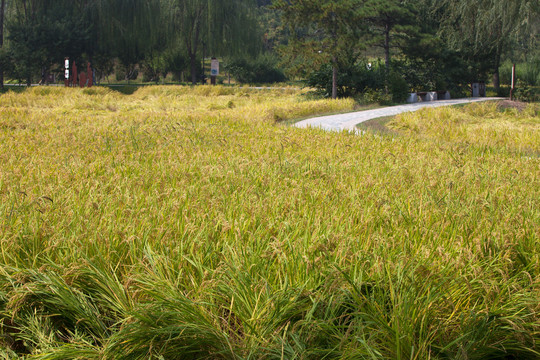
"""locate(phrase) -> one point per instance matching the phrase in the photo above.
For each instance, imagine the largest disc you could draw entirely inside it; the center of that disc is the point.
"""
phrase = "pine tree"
(389, 18)
(324, 26)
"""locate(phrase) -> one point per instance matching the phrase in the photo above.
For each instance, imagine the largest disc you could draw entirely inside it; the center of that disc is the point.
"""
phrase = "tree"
(323, 26)
(389, 19)
(129, 29)
(2, 12)
(486, 28)
(428, 62)
(41, 35)
(271, 21)
(175, 61)
(219, 27)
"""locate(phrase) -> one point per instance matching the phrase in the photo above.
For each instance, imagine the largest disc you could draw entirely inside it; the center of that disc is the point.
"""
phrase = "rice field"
(190, 223)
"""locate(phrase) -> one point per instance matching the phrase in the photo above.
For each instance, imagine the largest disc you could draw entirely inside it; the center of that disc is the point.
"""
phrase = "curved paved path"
(350, 120)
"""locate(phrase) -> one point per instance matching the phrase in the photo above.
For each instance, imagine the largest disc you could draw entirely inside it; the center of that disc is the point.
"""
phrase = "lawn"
(187, 223)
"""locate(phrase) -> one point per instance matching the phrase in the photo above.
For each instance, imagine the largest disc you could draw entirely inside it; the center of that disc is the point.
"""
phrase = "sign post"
(66, 72)
(512, 87)
(214, 70)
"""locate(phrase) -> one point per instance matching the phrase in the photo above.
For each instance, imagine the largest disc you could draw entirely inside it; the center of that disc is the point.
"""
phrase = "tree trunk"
(387, 47)
(193, 45)
(334, 66)
(496, 78)
(2, 8)
(334, 79)
(193, 63)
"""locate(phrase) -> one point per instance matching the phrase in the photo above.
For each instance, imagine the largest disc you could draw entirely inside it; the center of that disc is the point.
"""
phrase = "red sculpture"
(82, 79)
(74, 74)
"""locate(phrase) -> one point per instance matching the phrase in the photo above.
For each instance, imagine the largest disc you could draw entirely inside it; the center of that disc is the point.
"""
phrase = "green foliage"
(134, 32)
(376, 96)
(398, 87)
(352, 80)
(326, 30)
(431, 68)
(153, 67)
(391, 22)
(262, 70)
(6, 60)
(524, 92)
(126, 73)
(447, 43)
(220, 28)
(40, 35)
(271, 23)
(129, 30)
(360, 80)
(485, 30)
(528, 72)
(175, 60)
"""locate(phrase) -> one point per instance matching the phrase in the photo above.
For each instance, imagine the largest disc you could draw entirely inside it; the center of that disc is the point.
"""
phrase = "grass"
(185, 223)
(378, 126)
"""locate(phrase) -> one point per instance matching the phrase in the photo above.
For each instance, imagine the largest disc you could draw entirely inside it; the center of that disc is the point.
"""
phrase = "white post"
(513, 82)
(66, 72)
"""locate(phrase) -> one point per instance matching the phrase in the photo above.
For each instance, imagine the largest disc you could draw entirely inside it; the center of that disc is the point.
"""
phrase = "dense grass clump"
(184, 223)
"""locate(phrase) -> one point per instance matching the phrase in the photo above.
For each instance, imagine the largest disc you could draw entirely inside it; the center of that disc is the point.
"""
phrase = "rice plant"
(186, 223)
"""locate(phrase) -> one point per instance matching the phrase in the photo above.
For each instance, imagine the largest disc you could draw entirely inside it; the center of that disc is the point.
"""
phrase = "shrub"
(372, 96)
(369, 83)
(352, 79)
(150, 75)
(263, 69)
(524, 92)
(398, 87)
(528, 72)
(123, 73)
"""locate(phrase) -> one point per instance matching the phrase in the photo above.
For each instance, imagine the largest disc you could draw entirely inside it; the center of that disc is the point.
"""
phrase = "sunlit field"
(189, 223)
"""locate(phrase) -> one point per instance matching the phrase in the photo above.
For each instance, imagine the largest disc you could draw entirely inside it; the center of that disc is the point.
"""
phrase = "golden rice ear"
(178, 226)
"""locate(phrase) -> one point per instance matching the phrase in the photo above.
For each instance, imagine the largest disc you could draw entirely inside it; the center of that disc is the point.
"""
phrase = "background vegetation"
(182, 222)
(422, 45)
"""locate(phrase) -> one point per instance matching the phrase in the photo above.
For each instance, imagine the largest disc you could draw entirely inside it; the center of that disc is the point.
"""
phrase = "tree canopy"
(323, 27)
(442, 44)
(486, 29)
(213, 26)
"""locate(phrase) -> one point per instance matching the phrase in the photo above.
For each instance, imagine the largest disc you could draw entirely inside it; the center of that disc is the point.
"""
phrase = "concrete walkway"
(350, 120)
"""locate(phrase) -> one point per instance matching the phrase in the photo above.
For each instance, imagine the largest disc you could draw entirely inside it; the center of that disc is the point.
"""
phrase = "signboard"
(66, 65)
(214, 67)
(513, 75)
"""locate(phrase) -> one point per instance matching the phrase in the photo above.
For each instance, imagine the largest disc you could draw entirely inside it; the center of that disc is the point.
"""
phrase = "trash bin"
(478, 89)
